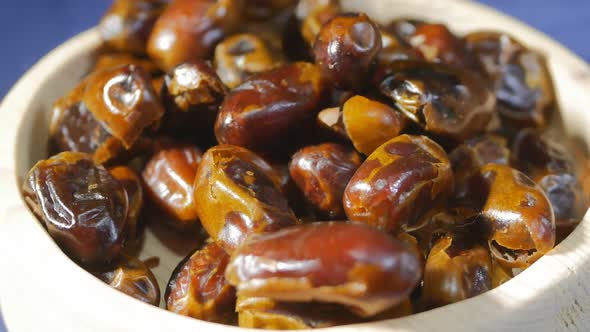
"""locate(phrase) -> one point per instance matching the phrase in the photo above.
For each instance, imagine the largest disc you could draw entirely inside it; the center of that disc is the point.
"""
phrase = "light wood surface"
(42, 290)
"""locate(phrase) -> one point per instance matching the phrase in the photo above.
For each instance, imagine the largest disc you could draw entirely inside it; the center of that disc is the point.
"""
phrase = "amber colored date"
(168, 178)
(134, 278)
(238, 193)
(123, 100)
(321, 172)
(399, 183)
(519, 215)
(369, 123)
(456, 270)
(362, 268)
(198, 288)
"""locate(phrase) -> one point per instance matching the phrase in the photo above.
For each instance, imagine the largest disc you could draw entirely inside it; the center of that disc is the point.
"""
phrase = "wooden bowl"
(43, 290)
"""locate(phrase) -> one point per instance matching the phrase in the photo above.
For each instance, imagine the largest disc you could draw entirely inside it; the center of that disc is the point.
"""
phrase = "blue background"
(31, 28)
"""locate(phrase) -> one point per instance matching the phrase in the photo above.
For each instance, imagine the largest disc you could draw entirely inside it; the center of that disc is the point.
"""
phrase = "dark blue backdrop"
(31, 28)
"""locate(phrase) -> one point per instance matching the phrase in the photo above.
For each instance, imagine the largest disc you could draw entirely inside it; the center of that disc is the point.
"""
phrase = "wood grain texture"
(41, 289)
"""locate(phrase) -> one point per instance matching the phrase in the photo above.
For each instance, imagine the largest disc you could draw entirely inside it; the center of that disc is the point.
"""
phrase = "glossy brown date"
(369, 123)
(188, 30)
(192, 93)
(134, 278)
(520, 76)
(265, 110)
(198, 288)
(321, 172)
(82, 206)
(127, 24)
(122, 99)
(456, 270)
(519, 216)
(362, 268)
(238, 193)
(131, 183)
(240, 56)
(346, 49)
(399, 183)
(168, 178)
(446, 101)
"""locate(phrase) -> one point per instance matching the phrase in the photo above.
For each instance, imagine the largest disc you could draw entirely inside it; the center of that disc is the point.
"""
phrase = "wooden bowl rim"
(565, 267)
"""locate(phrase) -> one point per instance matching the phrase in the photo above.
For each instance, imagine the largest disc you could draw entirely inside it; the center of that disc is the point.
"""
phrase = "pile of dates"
(343, 170)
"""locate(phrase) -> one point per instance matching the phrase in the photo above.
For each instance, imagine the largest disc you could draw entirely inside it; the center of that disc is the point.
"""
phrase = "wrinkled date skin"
(519, 216)
(264, 313)
(362, 268)
(83, 207)
(553, 168)
(346, 49)
(130, 181)
(399, 183)
(122, 99)
(369, 123)
(198, 288)
(168, 178)
(132, 277)
(240, 56)
(521, 79)
(192, 93)
(190, 29)
(321, 172)
(456, 270)
(238, 193)
(446, 101)
(127, 25)
(266, 109)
